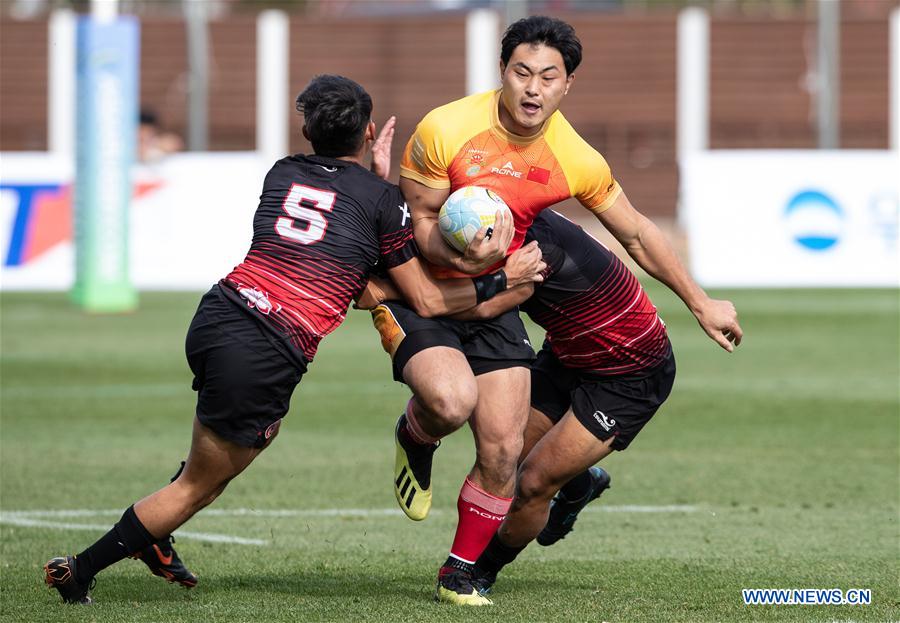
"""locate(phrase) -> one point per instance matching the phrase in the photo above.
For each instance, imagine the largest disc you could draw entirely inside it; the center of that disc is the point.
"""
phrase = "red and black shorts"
(488, 345)
(243, 377)
(608, 406)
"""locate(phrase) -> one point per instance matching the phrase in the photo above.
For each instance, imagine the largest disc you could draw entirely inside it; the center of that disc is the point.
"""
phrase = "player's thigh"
(502, 410)
(244, 383)
(500, 355)
(551, 397)
(427, 355)
(618, 408)
(566, 450)
(442, 381)
(214, 460)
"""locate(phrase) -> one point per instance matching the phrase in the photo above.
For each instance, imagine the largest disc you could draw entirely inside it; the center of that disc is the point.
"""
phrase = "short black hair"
(148, 117)
(336, 111)
(550, 31)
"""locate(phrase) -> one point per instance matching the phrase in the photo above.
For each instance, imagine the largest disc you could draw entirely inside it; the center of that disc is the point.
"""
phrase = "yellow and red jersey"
(464, 144)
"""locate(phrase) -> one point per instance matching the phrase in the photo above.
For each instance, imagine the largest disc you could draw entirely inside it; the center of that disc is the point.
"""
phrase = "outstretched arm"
(644, 242)
(501, 303)
(440, 297)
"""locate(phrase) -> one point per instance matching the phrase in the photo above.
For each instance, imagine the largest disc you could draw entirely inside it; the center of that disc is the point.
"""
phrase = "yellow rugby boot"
(412, 473)
(455, 586)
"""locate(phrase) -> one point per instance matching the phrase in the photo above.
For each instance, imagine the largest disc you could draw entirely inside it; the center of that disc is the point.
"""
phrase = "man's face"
(534, 83)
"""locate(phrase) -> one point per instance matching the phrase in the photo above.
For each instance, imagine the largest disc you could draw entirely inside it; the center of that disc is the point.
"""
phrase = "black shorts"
(242, 376)
(608, 406)
(488, 345)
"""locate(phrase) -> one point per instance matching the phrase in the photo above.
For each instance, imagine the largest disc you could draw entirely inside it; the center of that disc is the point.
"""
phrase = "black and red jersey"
(595, 312)
(321, 226)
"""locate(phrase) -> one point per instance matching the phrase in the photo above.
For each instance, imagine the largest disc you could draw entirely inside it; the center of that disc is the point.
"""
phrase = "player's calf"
(569, 502)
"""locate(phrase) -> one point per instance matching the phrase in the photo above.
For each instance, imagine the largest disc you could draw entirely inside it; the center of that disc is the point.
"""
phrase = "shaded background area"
(411, 58)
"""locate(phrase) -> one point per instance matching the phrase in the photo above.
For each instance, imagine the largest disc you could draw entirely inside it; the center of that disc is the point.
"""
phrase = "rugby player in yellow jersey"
(516, 142)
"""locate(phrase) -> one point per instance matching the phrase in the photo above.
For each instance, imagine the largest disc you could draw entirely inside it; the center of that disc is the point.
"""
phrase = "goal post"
(106, 132)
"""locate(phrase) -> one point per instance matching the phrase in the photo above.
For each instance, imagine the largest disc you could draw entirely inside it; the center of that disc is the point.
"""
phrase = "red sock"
(480, 514)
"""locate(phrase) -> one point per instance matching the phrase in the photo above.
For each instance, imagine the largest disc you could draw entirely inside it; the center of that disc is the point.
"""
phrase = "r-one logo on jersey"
(507, 169)
(606, 422)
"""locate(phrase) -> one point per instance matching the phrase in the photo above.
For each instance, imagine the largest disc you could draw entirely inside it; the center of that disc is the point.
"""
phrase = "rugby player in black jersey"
(605, 368)
(323, 223)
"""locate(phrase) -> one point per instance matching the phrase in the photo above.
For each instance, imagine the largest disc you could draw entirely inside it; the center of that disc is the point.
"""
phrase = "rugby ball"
(465, 212)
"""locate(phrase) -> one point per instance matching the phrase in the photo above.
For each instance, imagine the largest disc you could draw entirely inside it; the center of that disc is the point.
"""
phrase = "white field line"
(638, 508)
(322, 512)
(27, 522)
(39, 518)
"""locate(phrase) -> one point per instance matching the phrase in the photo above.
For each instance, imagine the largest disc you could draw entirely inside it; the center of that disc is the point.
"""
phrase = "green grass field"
(781, 462)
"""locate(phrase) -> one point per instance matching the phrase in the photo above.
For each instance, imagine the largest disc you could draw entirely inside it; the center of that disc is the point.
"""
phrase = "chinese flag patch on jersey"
(539, 175)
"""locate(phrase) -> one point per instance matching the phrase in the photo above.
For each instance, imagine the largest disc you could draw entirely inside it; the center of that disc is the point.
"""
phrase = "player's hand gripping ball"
(465, 212)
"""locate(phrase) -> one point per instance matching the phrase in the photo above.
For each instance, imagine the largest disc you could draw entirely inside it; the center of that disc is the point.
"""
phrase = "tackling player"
(605, 368)
(517, 143)
(322, 224)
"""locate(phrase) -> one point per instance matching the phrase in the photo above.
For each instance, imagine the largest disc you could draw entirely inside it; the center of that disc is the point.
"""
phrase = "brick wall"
(622, 102)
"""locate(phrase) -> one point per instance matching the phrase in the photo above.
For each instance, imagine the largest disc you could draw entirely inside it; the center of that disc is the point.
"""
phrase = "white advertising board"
(191, 219)
(760, 218)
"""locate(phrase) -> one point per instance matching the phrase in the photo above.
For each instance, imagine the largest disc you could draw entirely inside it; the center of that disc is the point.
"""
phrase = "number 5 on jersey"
(304, 203)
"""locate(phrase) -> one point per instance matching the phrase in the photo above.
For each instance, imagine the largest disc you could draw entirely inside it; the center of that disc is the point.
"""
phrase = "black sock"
(578, 487)
(126, 538)
(453, 562)
(496, 556)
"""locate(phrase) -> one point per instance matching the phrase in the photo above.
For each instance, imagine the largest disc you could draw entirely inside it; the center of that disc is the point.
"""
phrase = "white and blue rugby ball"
(465, 212)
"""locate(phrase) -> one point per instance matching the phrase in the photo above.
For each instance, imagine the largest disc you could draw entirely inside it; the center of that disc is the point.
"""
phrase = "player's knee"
(449, 409)
(216, 492)
(199, 494)
(531, 486)
(458, 409)
(209, 496)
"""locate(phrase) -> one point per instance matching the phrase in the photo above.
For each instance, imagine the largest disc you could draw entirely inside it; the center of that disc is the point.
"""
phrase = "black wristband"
(488, 286)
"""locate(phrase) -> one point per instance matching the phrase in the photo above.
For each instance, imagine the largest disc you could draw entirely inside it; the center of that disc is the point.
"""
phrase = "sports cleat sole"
(413, 499)
(169, 577)
(447, 596)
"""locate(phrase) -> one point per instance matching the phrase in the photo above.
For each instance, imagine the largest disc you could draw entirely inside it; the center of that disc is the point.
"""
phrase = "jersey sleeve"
(595, 186)
(426, 158)
(395, 234)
